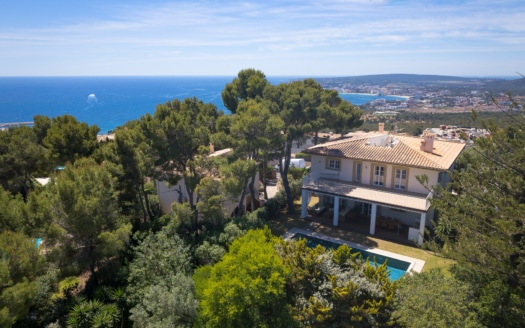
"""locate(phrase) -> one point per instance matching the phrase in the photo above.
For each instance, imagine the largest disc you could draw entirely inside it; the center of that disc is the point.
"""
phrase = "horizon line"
(506, 77)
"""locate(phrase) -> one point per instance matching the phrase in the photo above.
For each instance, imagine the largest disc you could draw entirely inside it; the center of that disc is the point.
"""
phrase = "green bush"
(296, 173)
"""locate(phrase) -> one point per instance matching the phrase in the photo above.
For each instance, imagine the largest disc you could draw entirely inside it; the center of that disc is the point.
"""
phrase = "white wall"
(413, 183)
(347, 168)
(318, 168)
(168, 195)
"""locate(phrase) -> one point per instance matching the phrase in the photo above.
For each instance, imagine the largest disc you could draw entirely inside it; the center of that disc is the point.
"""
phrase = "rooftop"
(391, 149)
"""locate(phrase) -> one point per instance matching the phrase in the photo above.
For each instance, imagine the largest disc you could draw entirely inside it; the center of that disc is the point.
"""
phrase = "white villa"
(374, 175)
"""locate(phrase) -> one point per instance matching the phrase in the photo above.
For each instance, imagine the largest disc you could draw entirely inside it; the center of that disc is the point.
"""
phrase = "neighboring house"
(374, 174)
(169, 194)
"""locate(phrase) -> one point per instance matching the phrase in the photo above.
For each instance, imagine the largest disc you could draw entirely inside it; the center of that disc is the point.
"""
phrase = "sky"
(280, 38)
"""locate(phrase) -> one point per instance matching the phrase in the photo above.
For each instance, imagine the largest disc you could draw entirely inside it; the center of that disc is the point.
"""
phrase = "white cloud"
(306, 29)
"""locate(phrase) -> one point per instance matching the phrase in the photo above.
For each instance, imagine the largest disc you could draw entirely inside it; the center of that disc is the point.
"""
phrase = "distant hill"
(515, 87)
(397, 78)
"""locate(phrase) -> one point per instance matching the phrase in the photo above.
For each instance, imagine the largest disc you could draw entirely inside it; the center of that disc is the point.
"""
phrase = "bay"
(109, 102)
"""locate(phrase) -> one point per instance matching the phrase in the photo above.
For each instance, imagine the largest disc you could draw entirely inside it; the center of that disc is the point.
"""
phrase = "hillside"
(399, 78)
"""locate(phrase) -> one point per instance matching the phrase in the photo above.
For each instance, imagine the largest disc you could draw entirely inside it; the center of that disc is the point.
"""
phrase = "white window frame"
(378, 178)
(333, 164)
(400, 179)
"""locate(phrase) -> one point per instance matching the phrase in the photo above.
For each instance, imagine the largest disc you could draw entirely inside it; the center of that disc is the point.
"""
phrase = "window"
(379, 176)
(334, 164)
(357, 172)
(400, 179)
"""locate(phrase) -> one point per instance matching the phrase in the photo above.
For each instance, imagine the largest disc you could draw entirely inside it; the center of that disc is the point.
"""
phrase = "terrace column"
(421, 229)
(373, 219)
(336, 211)
(304, 203)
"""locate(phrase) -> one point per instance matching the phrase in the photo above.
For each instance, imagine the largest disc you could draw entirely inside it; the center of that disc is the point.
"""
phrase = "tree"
(210, 205)
(235, 179)
(179, 132)
(160, 291)
(12, 212)
(336, 288)
(482, 222)
(135, 159)
(257, 135)
(20, 265)
(68, 140)
(301, 105)
(247, 287)
(431, 299)
(20, 157)
(157, 256)
(169, 303)
(249, 84)
(84, 205)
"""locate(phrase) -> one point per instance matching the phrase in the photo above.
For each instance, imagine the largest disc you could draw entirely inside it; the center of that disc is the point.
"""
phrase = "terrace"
(391, 214)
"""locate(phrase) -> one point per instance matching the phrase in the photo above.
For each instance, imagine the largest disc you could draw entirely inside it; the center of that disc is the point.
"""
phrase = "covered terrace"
(387, 209)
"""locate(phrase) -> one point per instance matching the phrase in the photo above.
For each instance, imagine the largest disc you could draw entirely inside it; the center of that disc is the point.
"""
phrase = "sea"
(110, 102)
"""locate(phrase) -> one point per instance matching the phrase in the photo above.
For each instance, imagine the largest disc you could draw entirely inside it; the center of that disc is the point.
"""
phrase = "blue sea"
(109, 102)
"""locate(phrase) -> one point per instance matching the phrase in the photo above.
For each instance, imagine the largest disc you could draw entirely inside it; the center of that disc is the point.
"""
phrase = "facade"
(375, 175)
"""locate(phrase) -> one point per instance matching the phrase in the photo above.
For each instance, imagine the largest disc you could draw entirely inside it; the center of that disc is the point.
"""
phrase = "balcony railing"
(330, 184)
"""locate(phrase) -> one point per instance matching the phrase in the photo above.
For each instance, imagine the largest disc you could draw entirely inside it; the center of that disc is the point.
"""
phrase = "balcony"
(404, 200)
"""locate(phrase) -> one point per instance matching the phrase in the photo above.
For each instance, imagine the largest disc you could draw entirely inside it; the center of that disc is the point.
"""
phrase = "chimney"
(381, 127)
(427, 145)
(212, 148)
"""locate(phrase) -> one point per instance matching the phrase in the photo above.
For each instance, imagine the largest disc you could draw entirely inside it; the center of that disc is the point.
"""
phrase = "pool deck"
(416, 265)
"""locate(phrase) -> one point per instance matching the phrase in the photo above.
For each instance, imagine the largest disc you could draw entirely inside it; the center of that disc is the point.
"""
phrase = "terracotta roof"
(402, 151)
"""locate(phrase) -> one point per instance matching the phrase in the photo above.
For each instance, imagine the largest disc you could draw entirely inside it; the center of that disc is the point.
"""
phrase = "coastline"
(373, 94)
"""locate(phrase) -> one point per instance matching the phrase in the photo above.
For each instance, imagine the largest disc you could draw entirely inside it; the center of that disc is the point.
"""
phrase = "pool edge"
(416, 265)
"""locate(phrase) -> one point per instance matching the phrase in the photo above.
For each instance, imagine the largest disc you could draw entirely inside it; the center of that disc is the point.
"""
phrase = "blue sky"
(300, 38)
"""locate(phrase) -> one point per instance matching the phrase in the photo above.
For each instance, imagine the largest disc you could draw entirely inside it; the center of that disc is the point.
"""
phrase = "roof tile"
(403, 151)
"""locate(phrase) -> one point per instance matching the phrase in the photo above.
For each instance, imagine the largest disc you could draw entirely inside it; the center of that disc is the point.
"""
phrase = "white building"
(375, 174)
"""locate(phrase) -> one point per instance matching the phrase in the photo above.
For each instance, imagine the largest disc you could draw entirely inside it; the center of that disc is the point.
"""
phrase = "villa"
(374, 175)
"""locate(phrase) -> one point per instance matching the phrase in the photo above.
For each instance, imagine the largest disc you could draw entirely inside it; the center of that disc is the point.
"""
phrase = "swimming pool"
(395, 267)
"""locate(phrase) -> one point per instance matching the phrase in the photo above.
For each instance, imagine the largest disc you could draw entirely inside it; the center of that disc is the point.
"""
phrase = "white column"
(373, 219)
(336, 211)
(421, 229)
(304, 204)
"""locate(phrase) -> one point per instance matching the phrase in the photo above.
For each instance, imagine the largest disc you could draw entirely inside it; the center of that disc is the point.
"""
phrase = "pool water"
(396, 268)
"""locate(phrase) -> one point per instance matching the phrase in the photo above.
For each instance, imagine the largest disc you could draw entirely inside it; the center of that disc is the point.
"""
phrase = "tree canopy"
(482, 222)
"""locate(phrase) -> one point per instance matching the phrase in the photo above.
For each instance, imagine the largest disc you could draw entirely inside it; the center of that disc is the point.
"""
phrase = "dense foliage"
(482, 222)
(109, 257)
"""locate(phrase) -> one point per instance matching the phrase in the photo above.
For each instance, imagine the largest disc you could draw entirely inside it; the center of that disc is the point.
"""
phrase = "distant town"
(431, 93)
